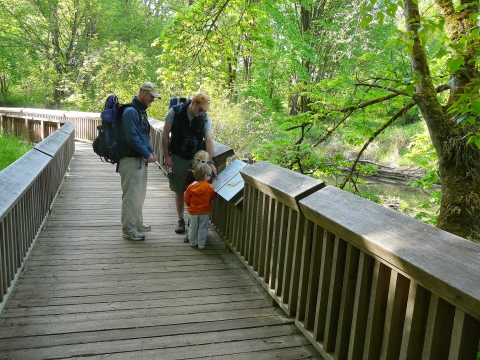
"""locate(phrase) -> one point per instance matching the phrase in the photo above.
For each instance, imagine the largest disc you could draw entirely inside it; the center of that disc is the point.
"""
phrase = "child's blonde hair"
(202, 170)
(200, 156)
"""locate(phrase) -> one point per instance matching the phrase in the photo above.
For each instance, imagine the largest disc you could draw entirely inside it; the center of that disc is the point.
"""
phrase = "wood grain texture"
(284, 185)
(443, 263)
(87, 293)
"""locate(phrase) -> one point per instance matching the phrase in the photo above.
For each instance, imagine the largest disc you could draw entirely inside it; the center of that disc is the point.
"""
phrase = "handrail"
(37, 124)
(29, 187)
(361, 280)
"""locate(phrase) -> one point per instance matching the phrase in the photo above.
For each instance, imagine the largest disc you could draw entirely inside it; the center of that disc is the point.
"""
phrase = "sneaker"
(201, 247)
(186, 240)
(145, 227)
(180, 227)
(133, 234)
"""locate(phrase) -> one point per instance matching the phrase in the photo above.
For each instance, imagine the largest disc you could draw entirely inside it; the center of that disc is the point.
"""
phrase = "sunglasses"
(201, 161)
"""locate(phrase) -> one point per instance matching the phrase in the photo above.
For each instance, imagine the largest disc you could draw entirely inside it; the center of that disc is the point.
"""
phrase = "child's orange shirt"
(198, 197)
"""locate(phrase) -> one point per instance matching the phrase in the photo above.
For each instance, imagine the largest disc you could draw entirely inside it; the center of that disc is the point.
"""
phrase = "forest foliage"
(321, 87)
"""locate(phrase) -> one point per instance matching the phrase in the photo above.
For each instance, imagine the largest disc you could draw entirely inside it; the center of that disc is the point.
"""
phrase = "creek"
(393, 193)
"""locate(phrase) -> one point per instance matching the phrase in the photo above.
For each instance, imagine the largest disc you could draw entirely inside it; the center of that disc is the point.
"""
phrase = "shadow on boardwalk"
(87, 293)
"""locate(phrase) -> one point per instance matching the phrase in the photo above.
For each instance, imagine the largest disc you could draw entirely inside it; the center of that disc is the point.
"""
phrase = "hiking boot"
(180, 227)
(145, 227)
(133, 234)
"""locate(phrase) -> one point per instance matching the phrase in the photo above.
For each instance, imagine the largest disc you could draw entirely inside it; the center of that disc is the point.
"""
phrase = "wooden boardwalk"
(87, 293)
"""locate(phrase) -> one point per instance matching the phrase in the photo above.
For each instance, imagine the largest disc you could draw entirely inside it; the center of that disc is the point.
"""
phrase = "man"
(190, 130)
(135, 154)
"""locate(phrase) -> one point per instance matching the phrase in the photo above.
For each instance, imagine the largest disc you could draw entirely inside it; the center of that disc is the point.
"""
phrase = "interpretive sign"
(229, 182)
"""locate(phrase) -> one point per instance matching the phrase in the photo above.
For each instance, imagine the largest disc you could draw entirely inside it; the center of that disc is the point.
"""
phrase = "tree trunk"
(459, 162)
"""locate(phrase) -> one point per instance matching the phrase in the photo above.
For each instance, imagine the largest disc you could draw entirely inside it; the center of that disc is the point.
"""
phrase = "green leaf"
(476, 107)
(391, 10)
(366, 9)
(410, 89)
(381, 17)
(422, 35)
(441, 53)
(455, 64)
(367, 19)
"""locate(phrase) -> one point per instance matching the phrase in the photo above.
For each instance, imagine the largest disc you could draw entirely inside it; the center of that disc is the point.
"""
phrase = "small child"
(200, 157)
(198, 197)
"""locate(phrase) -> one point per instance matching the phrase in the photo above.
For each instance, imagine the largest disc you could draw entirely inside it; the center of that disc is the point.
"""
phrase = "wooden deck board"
(87, 293)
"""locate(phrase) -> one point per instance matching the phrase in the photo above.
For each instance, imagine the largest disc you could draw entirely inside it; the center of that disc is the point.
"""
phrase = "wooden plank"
(465, 337)
(321, 243)
(320, 277)
(260, 223)
(335, 294)
(17, 177)
(347, 303)
(439, 329)
(376, 311)
(296, 266)
(269, 239)
(279, 225)
(287, 264)
(416, 316)
(395, 316)
(307, 243)
(360, 307)
(51, 144)
(262, 236)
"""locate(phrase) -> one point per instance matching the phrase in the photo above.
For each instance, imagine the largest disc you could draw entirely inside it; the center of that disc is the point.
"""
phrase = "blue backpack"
(178, 100)
(106, 144)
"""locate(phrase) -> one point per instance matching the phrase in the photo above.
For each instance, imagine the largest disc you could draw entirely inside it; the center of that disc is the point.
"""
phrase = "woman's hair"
(200, 157)
(202, 170)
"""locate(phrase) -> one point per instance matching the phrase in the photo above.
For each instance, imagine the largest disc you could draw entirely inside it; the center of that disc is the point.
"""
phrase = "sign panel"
(229, 182)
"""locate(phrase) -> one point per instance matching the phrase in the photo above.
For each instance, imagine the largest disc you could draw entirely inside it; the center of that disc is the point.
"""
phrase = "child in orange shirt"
(200, 157)
(198, 198)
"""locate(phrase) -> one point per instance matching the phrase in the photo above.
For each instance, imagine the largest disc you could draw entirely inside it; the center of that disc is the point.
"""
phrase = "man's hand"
(152, 158)
(167, 160)
(214, 169)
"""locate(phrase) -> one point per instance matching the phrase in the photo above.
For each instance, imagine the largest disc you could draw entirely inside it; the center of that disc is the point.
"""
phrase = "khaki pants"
(133, 172)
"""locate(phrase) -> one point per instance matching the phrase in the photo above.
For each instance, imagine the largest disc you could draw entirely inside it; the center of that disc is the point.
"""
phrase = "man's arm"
(131, 126)
(210, 149)
(167, 128)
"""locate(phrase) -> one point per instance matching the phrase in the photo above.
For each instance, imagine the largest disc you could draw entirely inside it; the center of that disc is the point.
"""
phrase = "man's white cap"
(150, 87)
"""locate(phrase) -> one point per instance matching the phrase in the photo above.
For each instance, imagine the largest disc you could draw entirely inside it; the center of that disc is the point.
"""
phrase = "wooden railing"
(37, 124)
(361, 280)
(27, 191)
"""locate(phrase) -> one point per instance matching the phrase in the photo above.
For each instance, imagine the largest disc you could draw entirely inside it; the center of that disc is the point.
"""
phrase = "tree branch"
(378, 132)
(398, 92)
